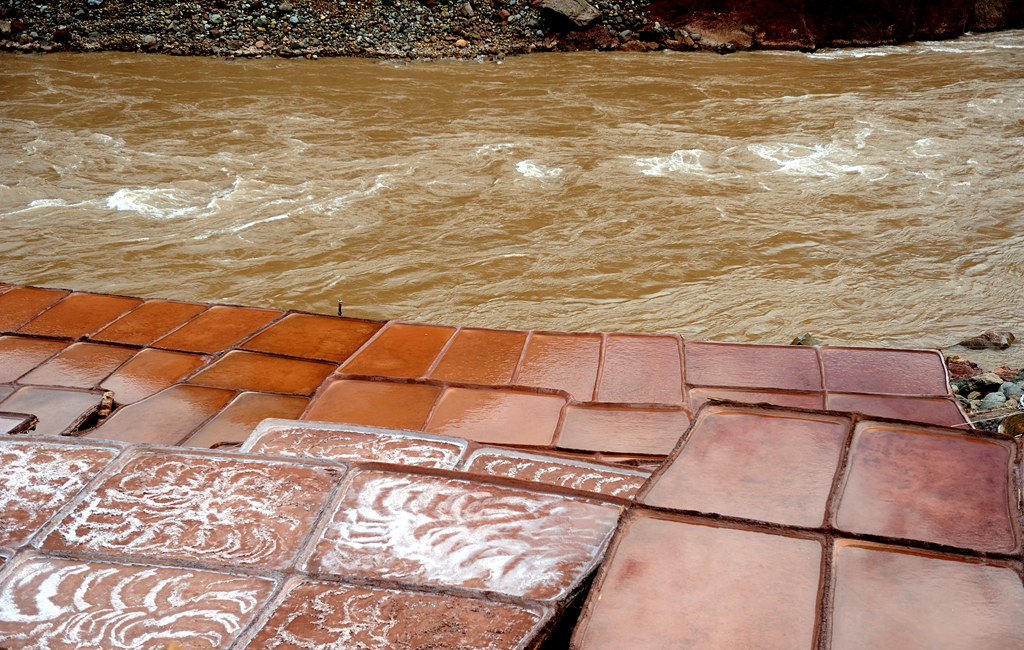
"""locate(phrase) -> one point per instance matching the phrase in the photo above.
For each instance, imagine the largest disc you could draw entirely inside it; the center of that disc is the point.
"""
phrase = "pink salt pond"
(354, 443)
(405, 484)
(138, 545)
(769, 527)
(614, 395)
(452, 532)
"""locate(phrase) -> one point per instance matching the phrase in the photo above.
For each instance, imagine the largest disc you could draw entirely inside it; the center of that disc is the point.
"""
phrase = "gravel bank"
(313, 28)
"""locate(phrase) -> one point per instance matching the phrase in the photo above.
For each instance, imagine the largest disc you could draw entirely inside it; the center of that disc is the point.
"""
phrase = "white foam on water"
(48, 203)
(177, 202)
(500, 147)
(531, 169)
(685, 161)
(43, 204)
(948, 47)
(234, 160)
(246, 226)
(240, 228)
(861, 137)
(378, 185)
(32, 148)
(155, 202)
(854, 53)
(920, 149)
(103, 138)
(337, 203)
(820, 161)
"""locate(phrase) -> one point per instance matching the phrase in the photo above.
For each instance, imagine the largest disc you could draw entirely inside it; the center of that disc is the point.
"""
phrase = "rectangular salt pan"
(345, 442)
(453, 532)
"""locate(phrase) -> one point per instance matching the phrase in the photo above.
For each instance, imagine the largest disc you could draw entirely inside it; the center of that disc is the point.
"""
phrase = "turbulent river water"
(871, 196)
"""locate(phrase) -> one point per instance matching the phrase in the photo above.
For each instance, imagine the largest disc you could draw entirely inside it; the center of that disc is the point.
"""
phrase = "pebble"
(993, 398)
(993, 401)
(1012, 388)
(805, 339)
(985, 382)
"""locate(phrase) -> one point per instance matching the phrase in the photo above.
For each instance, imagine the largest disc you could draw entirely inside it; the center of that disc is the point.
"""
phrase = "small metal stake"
(340, 303)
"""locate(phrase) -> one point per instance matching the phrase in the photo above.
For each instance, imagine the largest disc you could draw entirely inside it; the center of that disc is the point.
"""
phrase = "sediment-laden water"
(870, 196)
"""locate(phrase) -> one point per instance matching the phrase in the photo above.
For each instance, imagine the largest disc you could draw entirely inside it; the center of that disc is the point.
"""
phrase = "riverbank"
(378, 28)
(474, 28)
(989, 396)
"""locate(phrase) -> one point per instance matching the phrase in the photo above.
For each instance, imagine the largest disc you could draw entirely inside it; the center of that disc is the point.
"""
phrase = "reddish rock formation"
(809, 24)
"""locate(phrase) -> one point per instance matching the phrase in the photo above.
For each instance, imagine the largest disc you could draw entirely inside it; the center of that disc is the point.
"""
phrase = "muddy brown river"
(869, 196)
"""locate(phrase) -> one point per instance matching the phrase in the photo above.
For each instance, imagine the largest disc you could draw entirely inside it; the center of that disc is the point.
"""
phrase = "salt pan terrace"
(187, 475)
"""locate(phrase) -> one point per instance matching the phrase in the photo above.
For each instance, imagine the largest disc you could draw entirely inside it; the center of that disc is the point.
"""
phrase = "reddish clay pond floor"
(187, 475)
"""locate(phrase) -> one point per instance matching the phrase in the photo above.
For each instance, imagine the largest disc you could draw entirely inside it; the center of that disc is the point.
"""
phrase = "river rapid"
(870, 196)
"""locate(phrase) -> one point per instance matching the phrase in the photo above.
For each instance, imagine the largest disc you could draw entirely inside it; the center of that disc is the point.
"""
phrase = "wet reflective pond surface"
(869, 196)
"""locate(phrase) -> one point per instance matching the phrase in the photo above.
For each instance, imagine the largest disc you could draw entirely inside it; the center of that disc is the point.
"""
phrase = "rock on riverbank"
(991, 398)
(799, 25)
(473, 28)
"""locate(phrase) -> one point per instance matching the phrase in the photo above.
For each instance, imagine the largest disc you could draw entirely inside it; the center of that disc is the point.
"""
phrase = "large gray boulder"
(579, 12)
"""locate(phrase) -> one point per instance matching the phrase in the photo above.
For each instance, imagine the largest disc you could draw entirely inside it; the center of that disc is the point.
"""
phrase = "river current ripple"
(871, 196)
